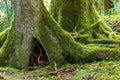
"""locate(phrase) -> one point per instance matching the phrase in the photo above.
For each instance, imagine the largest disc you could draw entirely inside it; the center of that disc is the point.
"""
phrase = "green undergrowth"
(102, 70)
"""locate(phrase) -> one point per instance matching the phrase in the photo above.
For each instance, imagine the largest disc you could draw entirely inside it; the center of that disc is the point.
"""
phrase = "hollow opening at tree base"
(38, 57)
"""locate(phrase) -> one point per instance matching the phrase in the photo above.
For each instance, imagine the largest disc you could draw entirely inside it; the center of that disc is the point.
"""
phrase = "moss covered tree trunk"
(58, 44)
(81, 16)
(66, 13)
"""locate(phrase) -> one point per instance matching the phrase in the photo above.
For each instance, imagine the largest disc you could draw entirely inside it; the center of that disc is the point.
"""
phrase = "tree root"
(3, 36)
(104, 41)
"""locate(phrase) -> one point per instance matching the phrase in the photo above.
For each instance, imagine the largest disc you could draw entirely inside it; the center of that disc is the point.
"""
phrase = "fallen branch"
(65, 70)
(114, 66)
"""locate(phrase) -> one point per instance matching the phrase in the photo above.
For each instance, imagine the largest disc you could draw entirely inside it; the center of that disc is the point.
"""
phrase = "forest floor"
(102, 70)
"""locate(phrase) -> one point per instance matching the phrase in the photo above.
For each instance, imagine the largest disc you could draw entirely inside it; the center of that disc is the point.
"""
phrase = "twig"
(74, 34)
(33, 68)
(35, 55)
(55, 65)
(66, 69)
(114, 66)
(56, 69)
(40, 54)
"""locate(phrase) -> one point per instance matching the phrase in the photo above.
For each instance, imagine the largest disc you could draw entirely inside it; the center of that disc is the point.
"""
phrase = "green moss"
(65, 14)
(54, 8)
(98, 70)
(92, 24)
(3, 36)
(101, 70)
(81, 17)
(105, 41)
(63, 45)
(7, 49)
(46, 38)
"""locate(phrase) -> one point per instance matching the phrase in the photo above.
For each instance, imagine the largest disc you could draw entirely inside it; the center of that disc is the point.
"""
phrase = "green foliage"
(6, 14)
(115, 10)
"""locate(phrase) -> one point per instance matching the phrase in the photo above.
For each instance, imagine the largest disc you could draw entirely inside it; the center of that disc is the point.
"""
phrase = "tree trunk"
(58, 44)
(24, 24)
(66, 13)
(54, 8)
(81, 17)
(67, 47)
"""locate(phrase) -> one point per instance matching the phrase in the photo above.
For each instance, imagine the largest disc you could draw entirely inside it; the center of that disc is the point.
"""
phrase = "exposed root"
(3, 36)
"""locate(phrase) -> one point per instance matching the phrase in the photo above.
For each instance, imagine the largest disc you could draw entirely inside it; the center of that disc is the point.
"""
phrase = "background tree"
(83, 17)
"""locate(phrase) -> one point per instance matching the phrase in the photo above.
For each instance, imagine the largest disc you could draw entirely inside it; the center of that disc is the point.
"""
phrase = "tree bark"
(24, 24)
(65, 12)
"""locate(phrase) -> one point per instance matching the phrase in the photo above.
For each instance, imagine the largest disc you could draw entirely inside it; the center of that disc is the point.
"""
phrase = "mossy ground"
(102, 70)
